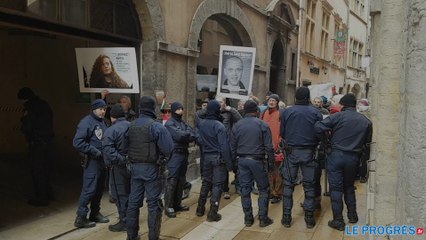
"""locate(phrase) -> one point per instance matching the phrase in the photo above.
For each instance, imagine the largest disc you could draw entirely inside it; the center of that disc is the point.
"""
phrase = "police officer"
(351, 132)
(297, 130)
(88, 141)
(251, 140)
(182, 135)
(217, 160)
(37, 126)
(148, 139)
(115, 144)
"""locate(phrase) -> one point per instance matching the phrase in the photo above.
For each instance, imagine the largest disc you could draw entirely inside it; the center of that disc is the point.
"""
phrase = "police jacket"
(251, 137)
(182, 134)
(37, 123)
(297, 125)
(157, 133)
(115, 142)
(350, 130)
(214, 139)
(88, 137)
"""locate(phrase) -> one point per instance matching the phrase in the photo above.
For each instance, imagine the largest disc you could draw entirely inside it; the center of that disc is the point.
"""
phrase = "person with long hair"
(104, 75)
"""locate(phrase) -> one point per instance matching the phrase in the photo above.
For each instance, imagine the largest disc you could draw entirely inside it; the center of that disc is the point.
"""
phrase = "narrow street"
(56, 221)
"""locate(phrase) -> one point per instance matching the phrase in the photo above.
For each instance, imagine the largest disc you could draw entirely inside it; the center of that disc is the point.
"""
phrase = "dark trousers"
(341, 168)
(299, 158)
(145, 178)
(176, 178)
(214, 176)
(250, 170)
(40, 163)
(93, 187)
(120, 189)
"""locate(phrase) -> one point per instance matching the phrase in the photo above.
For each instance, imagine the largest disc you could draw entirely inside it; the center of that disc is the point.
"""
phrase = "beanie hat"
(25, 93)
(147, 103)
(250, 107)
(302, 93)
(349, 100)
(98, 103)
(175, 106)
(275, 96)
(213, 107)
(117, 111)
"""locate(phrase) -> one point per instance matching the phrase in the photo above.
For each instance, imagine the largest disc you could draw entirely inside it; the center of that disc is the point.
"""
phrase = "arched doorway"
(277, 70)
(217, 30)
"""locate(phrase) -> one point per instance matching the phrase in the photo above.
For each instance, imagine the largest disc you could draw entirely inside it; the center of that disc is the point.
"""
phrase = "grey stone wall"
(413, 115)
(397, 193)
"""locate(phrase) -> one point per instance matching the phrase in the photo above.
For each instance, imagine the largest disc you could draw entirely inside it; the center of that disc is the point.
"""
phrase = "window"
(357, 49)
(310, 26)
(324, 34)
(358, 7)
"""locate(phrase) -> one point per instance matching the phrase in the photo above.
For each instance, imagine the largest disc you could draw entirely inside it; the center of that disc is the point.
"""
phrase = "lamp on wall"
(325, 69)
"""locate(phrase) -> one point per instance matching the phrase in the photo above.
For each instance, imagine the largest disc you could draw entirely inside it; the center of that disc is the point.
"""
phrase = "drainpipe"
(299, 35)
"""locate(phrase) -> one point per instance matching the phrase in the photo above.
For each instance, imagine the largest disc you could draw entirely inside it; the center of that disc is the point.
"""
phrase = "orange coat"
(272, 117)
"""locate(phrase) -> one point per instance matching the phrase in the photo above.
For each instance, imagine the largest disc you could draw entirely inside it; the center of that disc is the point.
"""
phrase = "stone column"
(412, 187)
(386, 45)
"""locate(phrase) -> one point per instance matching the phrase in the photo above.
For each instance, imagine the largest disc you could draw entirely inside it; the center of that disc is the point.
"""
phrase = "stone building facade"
(396, 189)
(175, 41)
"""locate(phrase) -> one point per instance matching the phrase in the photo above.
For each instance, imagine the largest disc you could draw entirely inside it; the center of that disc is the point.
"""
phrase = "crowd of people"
(265, 144)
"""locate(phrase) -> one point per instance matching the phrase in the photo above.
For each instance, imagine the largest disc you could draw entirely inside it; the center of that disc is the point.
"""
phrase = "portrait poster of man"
(114, 69)
(236, 69)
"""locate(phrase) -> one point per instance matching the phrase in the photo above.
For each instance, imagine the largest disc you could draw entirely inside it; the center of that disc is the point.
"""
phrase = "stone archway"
(228, 11)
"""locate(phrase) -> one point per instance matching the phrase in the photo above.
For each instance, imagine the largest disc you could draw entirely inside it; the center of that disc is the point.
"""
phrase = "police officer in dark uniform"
(351, 132)
(297, 130)
(182, 135)
(148, 139)
(217, 160)
(37, 126)
(251, 141)
(115, 145)
(88, 141)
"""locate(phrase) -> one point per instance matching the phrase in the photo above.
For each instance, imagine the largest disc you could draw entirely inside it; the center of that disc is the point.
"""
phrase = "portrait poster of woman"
(114, 69)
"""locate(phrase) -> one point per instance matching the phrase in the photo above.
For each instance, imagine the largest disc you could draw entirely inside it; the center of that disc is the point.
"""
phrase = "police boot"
(337, 223)
(353, 217)
(118, 227)
(265, 221)
(169, 198)
(248, 217)
(213, 216)
(317, 203)
(154, 231)
(83, 222)
(309, 219)
(178, 197)
(286, 220)
(205, 188)
(98, 217)
(186, 190)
